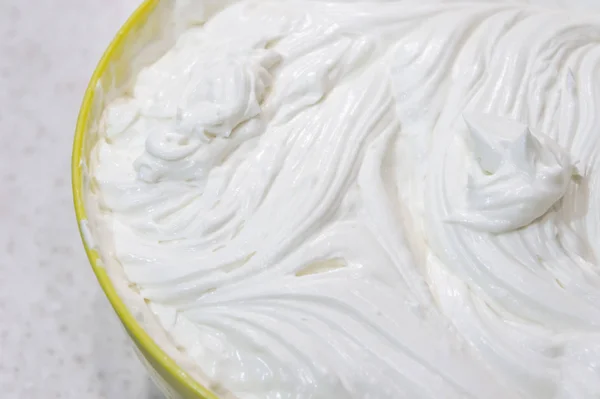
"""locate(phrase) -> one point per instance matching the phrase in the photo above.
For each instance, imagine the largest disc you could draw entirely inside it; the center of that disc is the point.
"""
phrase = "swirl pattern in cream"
(369, 199)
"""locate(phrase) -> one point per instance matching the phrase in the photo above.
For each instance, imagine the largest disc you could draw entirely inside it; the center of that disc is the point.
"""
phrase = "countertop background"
(59, 337)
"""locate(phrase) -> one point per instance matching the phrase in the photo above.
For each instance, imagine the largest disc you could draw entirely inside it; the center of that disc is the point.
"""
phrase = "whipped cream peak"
(222, 97)
(514, 178)
(225, 92)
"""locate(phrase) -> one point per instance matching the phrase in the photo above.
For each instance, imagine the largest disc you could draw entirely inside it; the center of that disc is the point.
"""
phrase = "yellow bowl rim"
(129, 321)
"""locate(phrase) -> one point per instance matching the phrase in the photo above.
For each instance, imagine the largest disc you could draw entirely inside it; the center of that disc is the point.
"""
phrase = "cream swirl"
(294, 191)
(221, 95)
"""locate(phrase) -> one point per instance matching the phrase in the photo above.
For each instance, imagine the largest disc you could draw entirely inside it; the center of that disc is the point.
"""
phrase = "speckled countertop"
(58, 336)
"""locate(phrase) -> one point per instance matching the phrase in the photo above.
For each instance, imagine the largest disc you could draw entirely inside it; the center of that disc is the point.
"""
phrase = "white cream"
(369, 199)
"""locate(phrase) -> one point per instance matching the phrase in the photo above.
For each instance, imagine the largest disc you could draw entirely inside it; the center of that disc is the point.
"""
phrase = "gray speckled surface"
(58, 336)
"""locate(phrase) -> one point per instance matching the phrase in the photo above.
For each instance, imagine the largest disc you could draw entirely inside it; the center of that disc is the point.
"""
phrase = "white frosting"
(369, 199)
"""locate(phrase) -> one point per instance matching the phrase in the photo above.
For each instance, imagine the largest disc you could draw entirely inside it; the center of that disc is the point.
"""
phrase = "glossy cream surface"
(368, 199)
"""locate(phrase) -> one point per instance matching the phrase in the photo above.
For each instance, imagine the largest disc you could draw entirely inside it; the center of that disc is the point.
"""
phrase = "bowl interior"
(148, 33)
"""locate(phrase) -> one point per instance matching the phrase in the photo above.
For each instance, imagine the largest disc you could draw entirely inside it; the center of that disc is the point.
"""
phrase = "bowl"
(146, 35)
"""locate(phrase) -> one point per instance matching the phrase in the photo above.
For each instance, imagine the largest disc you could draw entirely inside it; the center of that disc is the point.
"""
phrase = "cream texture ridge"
(367, 199)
